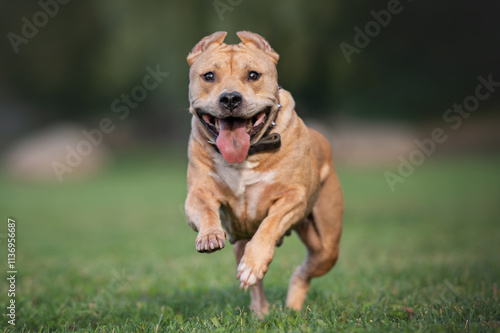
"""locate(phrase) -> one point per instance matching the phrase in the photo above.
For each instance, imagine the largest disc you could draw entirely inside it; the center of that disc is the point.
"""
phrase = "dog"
(255, 171)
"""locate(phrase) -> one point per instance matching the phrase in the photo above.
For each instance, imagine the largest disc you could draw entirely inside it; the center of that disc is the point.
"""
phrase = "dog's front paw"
(254, 264)
(210, 241)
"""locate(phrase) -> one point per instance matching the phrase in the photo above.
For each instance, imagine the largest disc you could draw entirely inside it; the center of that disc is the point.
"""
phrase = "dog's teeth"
(217, 124)
(273, 123)
(280, 106)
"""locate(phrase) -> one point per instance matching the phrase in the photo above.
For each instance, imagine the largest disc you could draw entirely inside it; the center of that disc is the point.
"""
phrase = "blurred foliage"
(90, 52)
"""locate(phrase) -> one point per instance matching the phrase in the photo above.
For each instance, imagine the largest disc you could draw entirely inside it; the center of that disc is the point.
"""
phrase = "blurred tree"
(53, 68)
(423, 61)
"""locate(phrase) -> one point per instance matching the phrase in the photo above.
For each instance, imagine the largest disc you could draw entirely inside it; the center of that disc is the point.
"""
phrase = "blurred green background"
(64, 65)
(120, 207)
(427, 58)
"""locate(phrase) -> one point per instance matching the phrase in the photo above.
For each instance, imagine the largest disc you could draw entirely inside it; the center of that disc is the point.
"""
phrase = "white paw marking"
(247, 276)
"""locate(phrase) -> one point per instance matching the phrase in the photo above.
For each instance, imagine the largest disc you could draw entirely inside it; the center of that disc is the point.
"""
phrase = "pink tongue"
(233, 140)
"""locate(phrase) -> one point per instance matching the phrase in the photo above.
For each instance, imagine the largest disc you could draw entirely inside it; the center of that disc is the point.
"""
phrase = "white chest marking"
(240, 178)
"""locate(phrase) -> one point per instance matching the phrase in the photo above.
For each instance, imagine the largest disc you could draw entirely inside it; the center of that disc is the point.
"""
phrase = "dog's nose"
(230, 100)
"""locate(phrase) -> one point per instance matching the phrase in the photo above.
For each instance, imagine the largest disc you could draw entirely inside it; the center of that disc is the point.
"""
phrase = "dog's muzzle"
(237, 138)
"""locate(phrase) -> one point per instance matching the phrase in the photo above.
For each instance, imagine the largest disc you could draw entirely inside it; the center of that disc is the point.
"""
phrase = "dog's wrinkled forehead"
(213, 51)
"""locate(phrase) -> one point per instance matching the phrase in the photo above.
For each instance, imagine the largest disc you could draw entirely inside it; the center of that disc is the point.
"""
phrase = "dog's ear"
(260, 42)
(215, 39)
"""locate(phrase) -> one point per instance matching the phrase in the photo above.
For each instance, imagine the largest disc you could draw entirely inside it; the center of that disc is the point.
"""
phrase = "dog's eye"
(254, 76)
(209, 76)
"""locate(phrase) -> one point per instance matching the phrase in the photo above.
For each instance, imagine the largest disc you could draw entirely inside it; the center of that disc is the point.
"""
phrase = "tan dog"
(255, 168)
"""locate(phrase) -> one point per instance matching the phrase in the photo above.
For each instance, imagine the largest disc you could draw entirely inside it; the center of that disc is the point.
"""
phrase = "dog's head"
(233, 91)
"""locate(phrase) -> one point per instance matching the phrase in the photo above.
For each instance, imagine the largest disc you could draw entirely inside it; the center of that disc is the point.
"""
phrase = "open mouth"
(252, 125)
(233, 134)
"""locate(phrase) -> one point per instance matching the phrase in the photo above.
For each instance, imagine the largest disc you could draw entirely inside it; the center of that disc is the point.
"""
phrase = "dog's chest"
(247, 193)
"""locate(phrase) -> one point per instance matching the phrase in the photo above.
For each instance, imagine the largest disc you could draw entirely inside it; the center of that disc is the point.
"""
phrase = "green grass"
(114, 254)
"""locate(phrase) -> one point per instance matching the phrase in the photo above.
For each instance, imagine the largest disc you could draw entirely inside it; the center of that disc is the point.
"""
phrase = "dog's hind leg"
(320, 232)
(258, 301)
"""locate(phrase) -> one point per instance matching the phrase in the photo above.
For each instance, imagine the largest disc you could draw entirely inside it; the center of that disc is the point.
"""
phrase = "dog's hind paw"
(211, 241)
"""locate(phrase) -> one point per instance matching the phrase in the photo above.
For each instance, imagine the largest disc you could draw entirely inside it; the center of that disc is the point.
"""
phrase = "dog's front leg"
(202, 212)
(259, 251)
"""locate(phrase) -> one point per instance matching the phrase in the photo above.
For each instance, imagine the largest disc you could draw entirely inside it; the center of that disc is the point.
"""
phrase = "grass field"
(114, 254)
